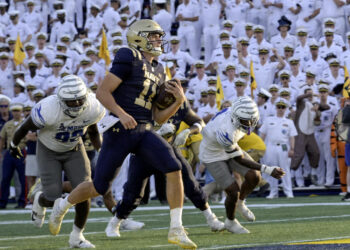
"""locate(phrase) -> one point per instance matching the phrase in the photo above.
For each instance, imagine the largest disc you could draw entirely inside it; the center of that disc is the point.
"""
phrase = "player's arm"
(20, 133)
(196, 124)
(94, 136)
(161, 116)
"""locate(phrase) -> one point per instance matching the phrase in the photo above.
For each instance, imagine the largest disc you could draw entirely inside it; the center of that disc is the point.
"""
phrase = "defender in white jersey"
(221, 154)
(61, 120)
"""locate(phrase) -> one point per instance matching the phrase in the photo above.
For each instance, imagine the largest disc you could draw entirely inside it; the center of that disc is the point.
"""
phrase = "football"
(164, 99)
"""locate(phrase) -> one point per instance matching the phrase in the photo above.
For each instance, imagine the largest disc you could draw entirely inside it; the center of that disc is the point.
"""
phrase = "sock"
(176, 217)
(208, 214)
(64, 204)
(77, 230)
(348, 189)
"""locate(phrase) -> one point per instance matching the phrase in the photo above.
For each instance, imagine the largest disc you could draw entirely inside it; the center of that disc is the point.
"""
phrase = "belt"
(320, 130)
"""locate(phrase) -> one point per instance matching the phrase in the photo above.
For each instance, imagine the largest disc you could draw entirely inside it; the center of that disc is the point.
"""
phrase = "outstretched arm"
(22, 130)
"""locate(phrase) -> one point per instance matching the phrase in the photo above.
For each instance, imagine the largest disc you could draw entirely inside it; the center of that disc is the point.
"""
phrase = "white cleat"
(179, 237)
(215, 224)
(112, 229)
(130, 224)
(77, 240)
(38, 212)
(34, 189)
(56, 217)
(234, 226)
(245, 211)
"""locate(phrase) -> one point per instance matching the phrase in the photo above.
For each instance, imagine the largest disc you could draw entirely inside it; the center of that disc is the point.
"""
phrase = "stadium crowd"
(290, 56)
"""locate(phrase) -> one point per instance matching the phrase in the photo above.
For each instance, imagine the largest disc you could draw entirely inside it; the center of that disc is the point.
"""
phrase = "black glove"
(15, 151)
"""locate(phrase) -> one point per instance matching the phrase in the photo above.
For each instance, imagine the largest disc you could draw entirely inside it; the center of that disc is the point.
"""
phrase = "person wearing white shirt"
(315, 60)
(284, 77)
(180, 58)
(6, 78)
(19, 88)
(291, 9)
(345, 56)
(228, 86)
(274, 91)
(187, 13)
(240, 88)
(42, 70)
(283, 38)
(308, 16)
(236, 11)
(211, 11)
(262, 101)
(335, 76)
(94, 23)
(258, 40)
(329, 23)
(16, 27)
(264, 70)
(278, 132)
(52, 81)
(336, 10)
(257, 14)
(163, 17)
(111, 17)
(244, 57)
(297, 77)
(302, 49)
(33, 19)
(326, 167)
(330, 46)
(199, 82)
(4, 16)
(62, 26)
(275, 8)
(48, 51)
(209, 110)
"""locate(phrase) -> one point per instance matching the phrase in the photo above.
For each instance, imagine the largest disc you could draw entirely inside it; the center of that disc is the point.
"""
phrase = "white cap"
(38, 92)
(284, 72)
(16, 106)
(264, 92)
(61, 12)
(13, 12)
(159, 1)
(3, 4)
(282, 102)
(274, 86)
(21, 83)
(2, 96)
(323, 86)
(284, 90)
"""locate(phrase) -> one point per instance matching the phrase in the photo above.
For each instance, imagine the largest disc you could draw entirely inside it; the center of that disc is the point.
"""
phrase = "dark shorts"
(347, 154)
(141, 141)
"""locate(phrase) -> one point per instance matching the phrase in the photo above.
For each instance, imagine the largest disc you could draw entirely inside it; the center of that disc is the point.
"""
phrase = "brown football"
(164, 99)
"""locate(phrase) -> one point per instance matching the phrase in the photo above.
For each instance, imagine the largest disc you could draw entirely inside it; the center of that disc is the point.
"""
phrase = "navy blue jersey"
(141, 79)
(180, 115)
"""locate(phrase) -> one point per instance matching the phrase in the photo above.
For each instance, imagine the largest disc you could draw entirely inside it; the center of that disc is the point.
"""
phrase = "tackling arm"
(22, 130)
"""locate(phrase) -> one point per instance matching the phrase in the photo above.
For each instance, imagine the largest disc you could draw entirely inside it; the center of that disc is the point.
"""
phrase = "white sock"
(348, 189)
(176, 217)
(208, 214)
(77, 229)
(64, 204)
(313, 171)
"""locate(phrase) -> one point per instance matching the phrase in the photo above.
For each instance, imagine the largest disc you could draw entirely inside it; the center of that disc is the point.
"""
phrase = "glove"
(182, 137)
(166, 128)
(15, 151)
(275, 172)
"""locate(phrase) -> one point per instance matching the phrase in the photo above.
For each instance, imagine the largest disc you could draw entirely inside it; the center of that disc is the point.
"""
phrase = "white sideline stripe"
(271, 244)
(106, 219)
(160, 208)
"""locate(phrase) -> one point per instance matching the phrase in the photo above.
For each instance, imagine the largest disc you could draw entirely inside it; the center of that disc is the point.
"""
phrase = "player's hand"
(182, 137)
(166, 129)
(277, 173)
(127, 121)
(176, 90)
(15, 151)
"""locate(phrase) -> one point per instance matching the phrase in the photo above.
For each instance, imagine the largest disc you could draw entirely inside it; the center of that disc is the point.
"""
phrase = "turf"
(294, 220)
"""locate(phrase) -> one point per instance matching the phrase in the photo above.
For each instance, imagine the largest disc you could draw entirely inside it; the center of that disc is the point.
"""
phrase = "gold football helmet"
(138, 35)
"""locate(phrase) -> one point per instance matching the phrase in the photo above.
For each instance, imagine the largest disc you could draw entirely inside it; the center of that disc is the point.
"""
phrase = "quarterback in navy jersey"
(128, 92)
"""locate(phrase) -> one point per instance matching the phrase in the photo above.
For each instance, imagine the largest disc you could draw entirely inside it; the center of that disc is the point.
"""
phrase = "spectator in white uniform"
(278, 133)
(17, 27)
(19, 88)
(52, 81)
(32, 18)
(335, 76)
(163, 17)
(302, 49)
(111, 17)
(329, 23)
(308, 17)
(258, 40)
(209, 110)
(219, 61)
(62, 26)
(263, 97)
(283, 38)
(228, 85)
(330, 46)
(6, 79)
(4, 16)
(199, 82)
(315, 60)
(94, 23)
(336, 10)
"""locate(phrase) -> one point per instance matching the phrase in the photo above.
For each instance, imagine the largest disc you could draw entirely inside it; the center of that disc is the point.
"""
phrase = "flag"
(104, 52)
(167, 72)
(253, 84)
(19, 54)
(346, 86)
(219, 91)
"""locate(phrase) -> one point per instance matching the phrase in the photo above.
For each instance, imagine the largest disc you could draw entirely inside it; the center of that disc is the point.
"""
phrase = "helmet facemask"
(246, 125)
(74, 108)
(156, 51)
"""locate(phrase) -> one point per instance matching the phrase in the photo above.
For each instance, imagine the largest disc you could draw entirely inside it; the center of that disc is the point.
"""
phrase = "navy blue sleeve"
(122, 63)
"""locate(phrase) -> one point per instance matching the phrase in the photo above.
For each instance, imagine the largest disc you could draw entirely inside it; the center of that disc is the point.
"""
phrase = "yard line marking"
(270, 244)
(161, 208)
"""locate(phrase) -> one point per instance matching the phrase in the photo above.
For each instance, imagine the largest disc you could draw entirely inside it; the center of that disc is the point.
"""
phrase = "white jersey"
(58, 131)
(219, 136)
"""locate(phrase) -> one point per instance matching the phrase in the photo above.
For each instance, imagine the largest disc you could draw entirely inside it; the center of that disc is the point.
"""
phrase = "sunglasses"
(284, 78)
(281, 107)
(4, 106)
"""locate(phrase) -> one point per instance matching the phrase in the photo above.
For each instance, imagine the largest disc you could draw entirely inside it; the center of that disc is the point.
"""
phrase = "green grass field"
(278, 222)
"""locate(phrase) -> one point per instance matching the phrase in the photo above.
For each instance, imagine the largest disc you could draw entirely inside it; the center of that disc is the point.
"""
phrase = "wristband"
(266, 169)
(198, 126)
(13, 145)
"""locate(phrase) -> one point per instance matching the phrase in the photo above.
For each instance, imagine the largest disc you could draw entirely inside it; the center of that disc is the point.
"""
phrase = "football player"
(60, 120)
(221, 155)
(128, 91)
(140, 171)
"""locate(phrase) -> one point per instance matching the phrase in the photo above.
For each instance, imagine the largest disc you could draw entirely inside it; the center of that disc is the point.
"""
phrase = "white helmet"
(244, 114)
(72, 88)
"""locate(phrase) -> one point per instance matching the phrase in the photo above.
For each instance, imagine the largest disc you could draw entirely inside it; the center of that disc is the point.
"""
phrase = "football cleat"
(130, 224)
(38, 212)
(244, 210)
(56, 217)
(346, 197)
(77, 240)
(179, 237)
(112, 229)
(234, 226)
(34, 189)
(215, 224)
